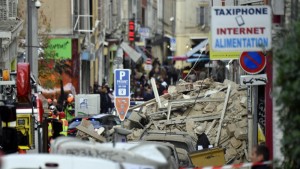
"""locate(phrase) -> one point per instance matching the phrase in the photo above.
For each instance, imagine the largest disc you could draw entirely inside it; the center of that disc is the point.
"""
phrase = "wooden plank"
(199, 99)
(192, 100)
(169, 110)
(191, 117)
(211, 126)
(90, 133)
(154, 88)
(222, 115)
(198, 119)
(202, 117)
(147, 102)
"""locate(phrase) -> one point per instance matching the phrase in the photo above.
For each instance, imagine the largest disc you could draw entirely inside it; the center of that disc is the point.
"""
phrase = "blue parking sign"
(122, 83)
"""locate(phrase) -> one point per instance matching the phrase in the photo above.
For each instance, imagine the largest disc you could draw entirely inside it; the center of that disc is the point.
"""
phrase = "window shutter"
(198, 16)
(206, 15)
(3, 10)
(12, 6)
(202, 15)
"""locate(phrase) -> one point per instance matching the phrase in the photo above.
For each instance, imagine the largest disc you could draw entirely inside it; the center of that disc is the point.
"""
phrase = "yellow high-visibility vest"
(50, 130)
(64, 127)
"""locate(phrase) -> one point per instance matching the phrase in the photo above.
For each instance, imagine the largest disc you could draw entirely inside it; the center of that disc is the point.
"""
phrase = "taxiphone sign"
(241, 28)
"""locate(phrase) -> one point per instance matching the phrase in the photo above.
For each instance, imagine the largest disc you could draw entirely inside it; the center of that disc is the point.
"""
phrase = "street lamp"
(32, 35)
(32, 52)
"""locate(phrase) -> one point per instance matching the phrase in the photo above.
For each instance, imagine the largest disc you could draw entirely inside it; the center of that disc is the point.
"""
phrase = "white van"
(54, 161)
(135, 155)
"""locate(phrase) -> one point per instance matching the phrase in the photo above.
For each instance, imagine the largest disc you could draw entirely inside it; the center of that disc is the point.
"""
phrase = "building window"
(202, 15)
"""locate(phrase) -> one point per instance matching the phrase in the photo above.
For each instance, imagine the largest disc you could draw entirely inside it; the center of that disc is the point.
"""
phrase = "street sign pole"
(250, 118)
(254, 113)
(252, 63)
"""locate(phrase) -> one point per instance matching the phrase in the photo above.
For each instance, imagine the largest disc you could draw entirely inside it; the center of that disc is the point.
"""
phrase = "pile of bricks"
(221, 108)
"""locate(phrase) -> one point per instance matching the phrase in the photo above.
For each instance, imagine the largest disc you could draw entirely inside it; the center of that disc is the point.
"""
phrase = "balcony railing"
(83, 18)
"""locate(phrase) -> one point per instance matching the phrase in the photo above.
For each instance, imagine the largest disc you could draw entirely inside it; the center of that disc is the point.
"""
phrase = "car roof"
(63, 161)
(101, 115)
(91, 116)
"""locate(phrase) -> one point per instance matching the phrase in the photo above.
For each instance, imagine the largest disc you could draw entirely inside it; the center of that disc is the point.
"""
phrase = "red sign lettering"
(131, 31)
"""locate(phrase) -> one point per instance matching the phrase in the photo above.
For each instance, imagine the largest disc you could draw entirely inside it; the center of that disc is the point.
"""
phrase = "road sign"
(172, 44)
(251, 80)
(122, 83)
(252, 62)
(241, 28)
(144, 32)
(122, 91)
(122, 106)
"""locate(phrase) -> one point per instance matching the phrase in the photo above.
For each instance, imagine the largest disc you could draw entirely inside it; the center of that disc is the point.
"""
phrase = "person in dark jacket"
(148, 93)
(260, 154)
(202, 141)
(105, 100)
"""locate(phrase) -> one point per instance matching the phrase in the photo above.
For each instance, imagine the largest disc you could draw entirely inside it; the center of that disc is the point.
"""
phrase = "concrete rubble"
(188, 105)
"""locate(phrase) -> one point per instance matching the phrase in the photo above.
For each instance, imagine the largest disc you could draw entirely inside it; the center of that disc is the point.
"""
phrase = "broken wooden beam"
(147, 102)
(202, 117)
(222, 115)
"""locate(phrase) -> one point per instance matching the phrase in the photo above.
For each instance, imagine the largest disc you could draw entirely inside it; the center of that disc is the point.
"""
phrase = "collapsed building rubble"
(221, 108)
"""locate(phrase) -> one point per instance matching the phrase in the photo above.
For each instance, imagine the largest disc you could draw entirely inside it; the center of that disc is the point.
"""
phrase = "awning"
(189, 59)
(192, 60)
(197, 48)
(178, 57)
(135, 56)
(141, 52)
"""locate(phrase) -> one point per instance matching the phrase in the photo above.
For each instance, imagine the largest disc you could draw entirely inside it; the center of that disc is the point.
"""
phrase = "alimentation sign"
(241, 28)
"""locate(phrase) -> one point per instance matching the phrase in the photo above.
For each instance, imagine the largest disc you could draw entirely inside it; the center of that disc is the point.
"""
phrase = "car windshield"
(77, 122)
(74, 124)
(95, 123)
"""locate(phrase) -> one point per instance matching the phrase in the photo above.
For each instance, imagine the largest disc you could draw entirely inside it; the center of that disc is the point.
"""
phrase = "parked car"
(182, 142)
(101, 120)
(131, 155)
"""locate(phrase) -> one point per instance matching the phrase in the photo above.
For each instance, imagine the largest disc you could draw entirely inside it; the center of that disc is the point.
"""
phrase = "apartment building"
(10, 28)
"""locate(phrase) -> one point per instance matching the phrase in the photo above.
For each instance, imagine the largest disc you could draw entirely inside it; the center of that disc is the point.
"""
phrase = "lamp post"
(32, 35)
(31, 50)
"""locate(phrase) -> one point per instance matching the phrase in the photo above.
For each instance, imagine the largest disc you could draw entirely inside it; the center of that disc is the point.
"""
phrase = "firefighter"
(62, 119)
(54, 112)
(50, 127)
(69, 108)
(50, 102)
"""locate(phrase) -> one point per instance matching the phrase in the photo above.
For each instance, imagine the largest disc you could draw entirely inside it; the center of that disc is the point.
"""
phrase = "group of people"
(141, 88)
(59, 116)
(106, 97)
(164, 76)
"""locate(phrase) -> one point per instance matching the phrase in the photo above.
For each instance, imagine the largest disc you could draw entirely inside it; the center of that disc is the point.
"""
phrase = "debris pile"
(220, 108)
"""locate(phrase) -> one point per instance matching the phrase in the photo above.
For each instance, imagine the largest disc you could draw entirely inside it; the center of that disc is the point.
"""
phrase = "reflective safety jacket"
(50, 130)
(64, 127)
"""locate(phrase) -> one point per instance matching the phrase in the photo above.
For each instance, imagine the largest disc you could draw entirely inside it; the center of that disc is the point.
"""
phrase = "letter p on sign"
(122, 74)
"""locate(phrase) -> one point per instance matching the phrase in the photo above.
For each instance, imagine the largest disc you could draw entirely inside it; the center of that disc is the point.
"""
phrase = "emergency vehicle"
(21, 110)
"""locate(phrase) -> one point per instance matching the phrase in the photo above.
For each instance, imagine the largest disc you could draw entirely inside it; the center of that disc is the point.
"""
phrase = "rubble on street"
(221, 108)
